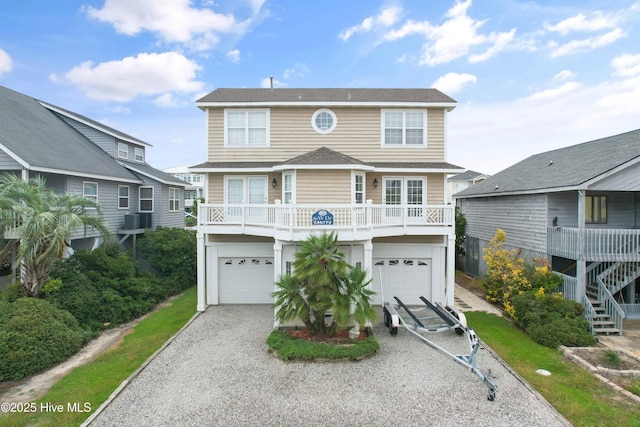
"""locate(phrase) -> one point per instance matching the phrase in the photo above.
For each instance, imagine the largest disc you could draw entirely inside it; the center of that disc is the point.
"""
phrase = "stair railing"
(610, 305)
(589, 312)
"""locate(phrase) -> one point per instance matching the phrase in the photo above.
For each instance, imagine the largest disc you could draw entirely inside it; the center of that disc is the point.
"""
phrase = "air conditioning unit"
(145, 219)
(131, 221)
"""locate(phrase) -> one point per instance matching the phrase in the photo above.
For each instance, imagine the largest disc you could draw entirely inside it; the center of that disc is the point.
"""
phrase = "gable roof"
(40, 141)
(563, 169)
(326, 96)
(150, 172)
(94, 124)
(467, 176)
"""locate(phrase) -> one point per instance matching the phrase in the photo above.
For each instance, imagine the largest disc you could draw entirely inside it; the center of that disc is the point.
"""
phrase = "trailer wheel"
(459, 331)
(387, 318)
(393, 331)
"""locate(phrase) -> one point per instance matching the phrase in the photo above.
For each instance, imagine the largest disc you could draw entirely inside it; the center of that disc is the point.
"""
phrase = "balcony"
(594, 244)
(351, 221)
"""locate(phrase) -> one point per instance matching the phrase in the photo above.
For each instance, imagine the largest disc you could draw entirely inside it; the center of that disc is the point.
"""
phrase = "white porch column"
(367, 264)
(450, 273)
(201, 272)
(277, 272)
(581, 262)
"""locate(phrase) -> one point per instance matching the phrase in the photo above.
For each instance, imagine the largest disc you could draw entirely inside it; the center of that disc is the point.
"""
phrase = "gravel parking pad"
(217, 372)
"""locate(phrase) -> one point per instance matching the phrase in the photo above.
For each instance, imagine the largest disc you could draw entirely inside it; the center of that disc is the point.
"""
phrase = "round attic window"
(324, 121)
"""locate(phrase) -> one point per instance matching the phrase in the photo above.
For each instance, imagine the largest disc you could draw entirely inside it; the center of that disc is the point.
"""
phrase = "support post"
(277, 271)
(201, 272)
(581, 262)
(450, 270)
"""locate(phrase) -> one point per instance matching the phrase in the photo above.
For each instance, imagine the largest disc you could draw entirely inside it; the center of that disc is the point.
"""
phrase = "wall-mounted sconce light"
(375, 182)
(274, 183)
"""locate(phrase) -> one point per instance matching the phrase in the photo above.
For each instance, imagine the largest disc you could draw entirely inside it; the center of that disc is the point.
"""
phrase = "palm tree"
(43, 222)
(323, 281)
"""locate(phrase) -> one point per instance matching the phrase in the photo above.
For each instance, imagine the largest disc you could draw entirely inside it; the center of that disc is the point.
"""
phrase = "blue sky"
(529, 76)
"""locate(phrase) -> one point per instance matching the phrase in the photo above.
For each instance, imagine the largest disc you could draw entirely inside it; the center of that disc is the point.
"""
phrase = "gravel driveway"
(217, 372)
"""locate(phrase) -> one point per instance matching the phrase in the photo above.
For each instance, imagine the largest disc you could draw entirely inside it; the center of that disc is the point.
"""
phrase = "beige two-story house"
(368, 164)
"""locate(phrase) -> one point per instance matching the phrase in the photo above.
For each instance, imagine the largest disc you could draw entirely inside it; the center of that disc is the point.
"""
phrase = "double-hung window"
(402, 128)
(90, 190)
(246, 128)
(123, 197)
(123, 150)
(595, 209)
(145, 197)
(174, 199)
(138, 154)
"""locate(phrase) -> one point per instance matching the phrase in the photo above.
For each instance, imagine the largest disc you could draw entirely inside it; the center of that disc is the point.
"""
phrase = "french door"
(407, 191)
(246, 190)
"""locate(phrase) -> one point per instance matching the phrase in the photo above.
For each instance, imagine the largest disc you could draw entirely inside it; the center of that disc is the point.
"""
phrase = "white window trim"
(140, 199)
(247, 110)
(121, 197)
(353, 186)
(403, 188)
(333, 124)
(139, 150)
(90, 196)
(120, 150)
(293, 186)
(176, 199)
(404, 144)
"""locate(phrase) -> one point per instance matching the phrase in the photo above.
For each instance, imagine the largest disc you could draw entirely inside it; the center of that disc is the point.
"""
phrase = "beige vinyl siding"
(329, 186)
(324, 186)
(358, 134)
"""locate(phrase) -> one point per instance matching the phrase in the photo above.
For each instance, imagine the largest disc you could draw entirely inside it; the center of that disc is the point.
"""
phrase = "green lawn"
(93, 383)
(574, 392)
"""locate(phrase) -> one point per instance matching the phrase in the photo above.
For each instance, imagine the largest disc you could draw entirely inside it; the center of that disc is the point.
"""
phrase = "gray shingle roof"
(327, 95)
(325, 156)
(561, 169)
(45, 142)
(466, 176)
(153, 173)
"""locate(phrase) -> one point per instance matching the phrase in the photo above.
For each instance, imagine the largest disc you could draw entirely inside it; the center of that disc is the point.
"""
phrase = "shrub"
(103, 288)
(288, 347)
(572, 332)
(172, 253)
(35, 335)
(13, 291)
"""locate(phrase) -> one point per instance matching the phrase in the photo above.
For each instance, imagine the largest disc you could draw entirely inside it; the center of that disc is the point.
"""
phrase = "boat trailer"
(434, 318)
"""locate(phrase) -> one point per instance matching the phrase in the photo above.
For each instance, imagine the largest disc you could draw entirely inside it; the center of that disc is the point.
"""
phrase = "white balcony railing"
(333, 216)
(594, 244)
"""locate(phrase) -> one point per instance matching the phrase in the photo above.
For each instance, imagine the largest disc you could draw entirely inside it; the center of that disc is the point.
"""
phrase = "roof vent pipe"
(271, 82)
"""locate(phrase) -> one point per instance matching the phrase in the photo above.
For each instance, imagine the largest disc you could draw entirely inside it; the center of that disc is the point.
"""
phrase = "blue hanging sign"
(322, 217)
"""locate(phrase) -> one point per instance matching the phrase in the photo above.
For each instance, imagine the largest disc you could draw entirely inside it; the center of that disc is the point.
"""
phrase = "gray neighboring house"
(579, 207)
(79, 155)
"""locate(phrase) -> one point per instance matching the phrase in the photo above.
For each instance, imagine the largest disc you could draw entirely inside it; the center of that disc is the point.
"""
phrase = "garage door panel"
(245, 280)
(405, 278)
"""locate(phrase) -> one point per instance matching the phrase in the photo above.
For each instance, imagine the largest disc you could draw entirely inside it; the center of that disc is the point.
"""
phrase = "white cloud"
(564, 75)
(386, 18)
(585, 45)
(147, 74)
(298, 70)
(555, 92)
(174, 21)
(489, 137)
(234, 55)
(165, 100)
(455, 38)
(6, 64)
(626, 65)
(581, 22)
(452, 83)
(266, 83)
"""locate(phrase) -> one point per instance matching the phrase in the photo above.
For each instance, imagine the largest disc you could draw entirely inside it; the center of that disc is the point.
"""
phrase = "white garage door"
(405, 278)
(245, 280)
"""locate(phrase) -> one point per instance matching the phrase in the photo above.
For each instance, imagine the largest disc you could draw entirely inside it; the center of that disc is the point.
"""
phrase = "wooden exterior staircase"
(599, 315)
